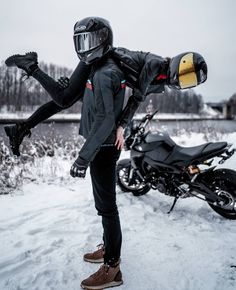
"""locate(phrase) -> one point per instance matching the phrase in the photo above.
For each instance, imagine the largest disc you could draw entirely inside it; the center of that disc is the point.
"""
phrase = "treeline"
(174, 101)
(18, 94)
(232, 104)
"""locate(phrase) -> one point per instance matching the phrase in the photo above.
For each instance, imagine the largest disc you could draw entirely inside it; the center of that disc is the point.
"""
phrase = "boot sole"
(12, 60)
(100, 287)
(94, 261)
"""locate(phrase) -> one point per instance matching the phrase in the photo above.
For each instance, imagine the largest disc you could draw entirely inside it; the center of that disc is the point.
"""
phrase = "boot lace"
(100, 246)
(24, 76)
(102, 271)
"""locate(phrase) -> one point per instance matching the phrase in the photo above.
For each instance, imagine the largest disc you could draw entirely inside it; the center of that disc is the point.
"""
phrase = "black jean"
(63, 98)
(103, 175)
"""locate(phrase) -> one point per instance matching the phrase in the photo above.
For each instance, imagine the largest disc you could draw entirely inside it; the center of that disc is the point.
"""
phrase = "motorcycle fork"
(133, 169)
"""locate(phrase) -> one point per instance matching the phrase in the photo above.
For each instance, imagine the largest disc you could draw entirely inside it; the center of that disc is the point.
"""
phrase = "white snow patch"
(207, 110)
(46, 227)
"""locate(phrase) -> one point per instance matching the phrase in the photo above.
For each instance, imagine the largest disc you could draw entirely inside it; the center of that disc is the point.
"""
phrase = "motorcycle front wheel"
(223, 183)
(136, 185)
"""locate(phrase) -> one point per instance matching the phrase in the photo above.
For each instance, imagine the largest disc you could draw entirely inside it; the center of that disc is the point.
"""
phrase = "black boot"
(28, 62)
(16, 134)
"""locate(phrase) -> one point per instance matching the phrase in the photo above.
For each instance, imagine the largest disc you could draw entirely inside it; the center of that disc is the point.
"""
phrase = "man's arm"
(129, 110)
(152, 67)
(126, 116)
(68, 96)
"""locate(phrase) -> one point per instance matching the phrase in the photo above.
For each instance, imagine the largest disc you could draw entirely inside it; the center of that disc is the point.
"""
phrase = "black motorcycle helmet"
(187, 70)
(93, 38)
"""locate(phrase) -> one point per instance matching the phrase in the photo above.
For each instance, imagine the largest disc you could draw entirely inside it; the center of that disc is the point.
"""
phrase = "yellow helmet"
(187, 70)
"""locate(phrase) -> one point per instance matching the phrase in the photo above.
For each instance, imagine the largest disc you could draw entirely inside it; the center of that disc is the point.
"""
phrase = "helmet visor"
(187, 74)
(86, 41)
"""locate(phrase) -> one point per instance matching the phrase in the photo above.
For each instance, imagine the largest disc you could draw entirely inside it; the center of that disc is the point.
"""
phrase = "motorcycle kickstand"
(173, 205)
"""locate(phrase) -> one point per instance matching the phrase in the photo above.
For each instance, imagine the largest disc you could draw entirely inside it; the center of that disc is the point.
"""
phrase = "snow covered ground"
(48, 224)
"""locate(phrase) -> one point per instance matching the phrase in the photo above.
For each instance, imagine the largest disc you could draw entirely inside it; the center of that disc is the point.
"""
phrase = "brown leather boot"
(97, 256)
(106, 276)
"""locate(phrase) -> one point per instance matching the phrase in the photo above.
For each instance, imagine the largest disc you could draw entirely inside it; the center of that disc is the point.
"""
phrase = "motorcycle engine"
(161, 184)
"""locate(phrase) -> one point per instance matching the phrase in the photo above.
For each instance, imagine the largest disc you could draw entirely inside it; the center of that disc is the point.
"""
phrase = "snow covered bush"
(11, 173)
(48, 159)
(44, 159)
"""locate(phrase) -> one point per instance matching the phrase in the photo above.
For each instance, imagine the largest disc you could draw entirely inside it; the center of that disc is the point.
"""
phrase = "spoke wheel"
(223, 183)
(136, 185)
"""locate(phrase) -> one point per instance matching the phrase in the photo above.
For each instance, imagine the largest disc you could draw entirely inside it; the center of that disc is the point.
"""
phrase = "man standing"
(102, 106)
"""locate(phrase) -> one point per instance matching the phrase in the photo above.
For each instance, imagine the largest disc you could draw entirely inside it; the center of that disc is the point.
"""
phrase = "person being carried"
(144, 73)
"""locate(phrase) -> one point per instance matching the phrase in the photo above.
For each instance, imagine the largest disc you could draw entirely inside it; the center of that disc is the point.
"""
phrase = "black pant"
(64, 98)
(103, 175)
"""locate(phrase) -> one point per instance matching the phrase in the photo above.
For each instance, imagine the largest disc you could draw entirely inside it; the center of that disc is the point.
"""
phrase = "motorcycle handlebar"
(146, 119)
(140, 129)
(152, 115)
(149, 116)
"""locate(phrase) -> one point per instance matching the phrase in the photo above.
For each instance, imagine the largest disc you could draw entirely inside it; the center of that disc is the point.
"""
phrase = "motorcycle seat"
(205, 150)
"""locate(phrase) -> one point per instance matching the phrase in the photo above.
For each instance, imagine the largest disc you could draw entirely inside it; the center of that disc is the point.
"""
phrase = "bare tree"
(19, 95)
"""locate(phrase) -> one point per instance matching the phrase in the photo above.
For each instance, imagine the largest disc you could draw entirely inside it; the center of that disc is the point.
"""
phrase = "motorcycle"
(157, 162)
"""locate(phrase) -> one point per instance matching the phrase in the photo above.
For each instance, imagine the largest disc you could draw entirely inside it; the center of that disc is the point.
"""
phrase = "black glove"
(63, 82)
(79, 167)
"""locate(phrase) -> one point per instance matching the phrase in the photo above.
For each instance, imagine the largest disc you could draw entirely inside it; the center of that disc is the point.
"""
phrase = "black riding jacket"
(102, 96)
(102, 107)
(141, 70)
(145, 73)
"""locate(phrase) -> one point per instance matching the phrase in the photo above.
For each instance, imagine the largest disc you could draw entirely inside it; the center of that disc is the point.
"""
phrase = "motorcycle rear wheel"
(223, 182)
(137, 187)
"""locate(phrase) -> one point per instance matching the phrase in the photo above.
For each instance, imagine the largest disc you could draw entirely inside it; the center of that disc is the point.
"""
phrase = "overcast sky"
(164, 27)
